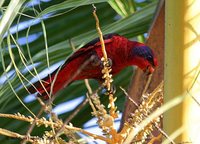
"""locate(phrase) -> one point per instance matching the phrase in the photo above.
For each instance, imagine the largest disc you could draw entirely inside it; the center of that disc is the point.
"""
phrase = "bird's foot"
(107, 63)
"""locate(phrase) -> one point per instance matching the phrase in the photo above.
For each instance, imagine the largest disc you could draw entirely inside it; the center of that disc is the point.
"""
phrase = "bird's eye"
(149, 57)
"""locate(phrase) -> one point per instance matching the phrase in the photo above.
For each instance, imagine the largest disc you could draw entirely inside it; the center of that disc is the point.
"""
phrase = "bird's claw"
(108, 63)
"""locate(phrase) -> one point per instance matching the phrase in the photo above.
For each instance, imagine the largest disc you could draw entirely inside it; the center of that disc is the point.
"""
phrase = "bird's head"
(144, 58)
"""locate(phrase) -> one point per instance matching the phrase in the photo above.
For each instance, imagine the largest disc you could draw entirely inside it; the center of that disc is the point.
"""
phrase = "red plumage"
(86, 63)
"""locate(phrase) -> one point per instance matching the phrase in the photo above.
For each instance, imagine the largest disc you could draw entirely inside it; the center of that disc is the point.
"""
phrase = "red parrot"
(86, 63)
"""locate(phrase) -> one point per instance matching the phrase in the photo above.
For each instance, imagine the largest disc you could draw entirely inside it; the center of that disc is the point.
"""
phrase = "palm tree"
(41, 33)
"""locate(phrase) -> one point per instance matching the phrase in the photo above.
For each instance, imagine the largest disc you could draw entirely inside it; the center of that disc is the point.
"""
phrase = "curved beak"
(149, 70)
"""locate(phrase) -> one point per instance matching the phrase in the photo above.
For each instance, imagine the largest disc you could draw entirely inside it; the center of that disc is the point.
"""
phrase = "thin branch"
(165, 135)
(15, 135)
(126, 94)
(147, 84)
(106, 68)
(75, 112)
(100, 34)
(105, 121)
(31, 127)
(87, 84)
(45, 122)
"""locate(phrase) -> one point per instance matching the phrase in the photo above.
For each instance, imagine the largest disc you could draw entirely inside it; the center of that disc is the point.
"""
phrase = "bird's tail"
(43, 87)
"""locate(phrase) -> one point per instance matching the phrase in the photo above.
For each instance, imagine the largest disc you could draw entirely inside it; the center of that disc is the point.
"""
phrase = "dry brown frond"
(148, 105)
